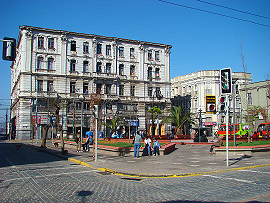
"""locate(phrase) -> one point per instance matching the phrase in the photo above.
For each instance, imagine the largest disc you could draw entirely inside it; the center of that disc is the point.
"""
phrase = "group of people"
(147, 151)
(115, 134)
(86, 145)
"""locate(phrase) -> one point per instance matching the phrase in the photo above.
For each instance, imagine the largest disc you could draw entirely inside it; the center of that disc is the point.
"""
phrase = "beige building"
(129, 75)
(256, 94)
(203, 85)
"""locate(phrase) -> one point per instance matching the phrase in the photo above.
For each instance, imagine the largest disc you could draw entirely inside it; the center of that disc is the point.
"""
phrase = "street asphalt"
(186, 160)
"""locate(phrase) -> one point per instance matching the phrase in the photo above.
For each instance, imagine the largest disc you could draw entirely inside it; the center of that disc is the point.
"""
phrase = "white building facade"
(203, 84)
(129, 75)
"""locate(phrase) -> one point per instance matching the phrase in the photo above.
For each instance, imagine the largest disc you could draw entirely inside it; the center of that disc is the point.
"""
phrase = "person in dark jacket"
(218, 143)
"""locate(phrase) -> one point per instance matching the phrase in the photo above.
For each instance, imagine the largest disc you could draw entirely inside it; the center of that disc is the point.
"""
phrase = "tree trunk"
(45, 134)
(62, 144)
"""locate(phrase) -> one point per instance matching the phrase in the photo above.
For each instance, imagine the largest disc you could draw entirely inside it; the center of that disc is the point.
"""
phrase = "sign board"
(42, 120)
(210, 104)
(133, 122)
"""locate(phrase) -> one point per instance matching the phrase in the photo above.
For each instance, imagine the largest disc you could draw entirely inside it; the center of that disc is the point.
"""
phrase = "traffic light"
(95, 111)
(236, 89)
(9, 49)
(226, 80)
(222, 104)
(210, 104)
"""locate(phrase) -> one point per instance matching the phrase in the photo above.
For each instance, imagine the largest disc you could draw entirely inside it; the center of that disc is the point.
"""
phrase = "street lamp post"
(81, 97)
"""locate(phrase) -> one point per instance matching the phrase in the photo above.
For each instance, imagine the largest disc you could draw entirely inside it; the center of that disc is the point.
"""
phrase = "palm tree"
(114, 123)
(178, 118)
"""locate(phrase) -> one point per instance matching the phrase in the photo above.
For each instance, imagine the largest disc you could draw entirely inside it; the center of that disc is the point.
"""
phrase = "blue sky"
(201, 41)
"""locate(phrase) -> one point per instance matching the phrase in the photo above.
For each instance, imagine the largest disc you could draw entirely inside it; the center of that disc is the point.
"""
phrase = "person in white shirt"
(147, 143)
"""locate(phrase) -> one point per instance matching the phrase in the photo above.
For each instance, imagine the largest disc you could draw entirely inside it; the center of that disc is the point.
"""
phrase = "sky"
(200, 39)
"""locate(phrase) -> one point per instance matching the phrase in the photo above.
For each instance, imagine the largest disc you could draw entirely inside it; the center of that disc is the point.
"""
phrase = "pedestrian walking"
(137, 144)
(78, 141)
(156, 147)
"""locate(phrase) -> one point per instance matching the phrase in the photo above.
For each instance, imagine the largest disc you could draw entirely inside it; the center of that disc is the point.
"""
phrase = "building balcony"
(104, 75)
(45, 70)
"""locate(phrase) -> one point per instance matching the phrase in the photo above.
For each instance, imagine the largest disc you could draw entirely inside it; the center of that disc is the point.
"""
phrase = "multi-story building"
(129, 75)
(256, 94)
(202, 85)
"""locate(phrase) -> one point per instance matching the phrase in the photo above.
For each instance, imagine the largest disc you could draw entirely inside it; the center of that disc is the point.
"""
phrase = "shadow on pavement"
(12, 154)
(239, 159)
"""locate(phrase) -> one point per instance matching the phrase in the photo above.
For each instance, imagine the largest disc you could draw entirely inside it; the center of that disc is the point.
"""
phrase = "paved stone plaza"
(30, 175)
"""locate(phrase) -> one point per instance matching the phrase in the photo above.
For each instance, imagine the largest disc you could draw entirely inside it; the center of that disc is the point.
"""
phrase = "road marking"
(212, 163)
(194, 165)
(177, 163)
(255, 198)
(255, 171)
(235, 179)
(44, 176)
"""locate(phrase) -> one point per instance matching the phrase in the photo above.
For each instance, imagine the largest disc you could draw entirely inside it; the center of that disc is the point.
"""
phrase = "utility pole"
(6, 121)
(233, 92)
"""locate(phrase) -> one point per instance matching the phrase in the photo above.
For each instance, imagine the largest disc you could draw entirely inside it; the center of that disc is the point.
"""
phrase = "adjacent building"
(257, 94)
(202, 88)
(130, 76)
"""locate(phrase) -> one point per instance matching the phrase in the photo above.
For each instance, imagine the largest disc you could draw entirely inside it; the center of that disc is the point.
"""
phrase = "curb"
(161, 176)
(46, 150)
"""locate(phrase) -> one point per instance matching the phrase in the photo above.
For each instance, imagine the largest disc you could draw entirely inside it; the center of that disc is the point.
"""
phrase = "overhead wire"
(233, 9)
(219, 14)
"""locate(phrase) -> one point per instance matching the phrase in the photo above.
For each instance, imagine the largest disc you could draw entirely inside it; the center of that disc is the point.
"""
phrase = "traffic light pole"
(233, 92)
(227, 130)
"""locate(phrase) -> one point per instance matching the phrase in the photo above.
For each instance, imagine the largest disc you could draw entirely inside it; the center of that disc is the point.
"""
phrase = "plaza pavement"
(186, 160)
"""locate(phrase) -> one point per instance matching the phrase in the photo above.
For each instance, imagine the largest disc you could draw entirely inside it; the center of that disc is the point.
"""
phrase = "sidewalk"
(185, 160)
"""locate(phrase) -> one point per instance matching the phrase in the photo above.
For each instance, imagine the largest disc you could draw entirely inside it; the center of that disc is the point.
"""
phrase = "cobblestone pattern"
(27, 175)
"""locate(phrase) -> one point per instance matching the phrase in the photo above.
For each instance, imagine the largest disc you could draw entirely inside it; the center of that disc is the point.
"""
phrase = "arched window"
(132, 70)
(157, 73)
(39, 62)
(72, 65)
(149, 73)
(85, 66)
(121, 69)
(50, 63)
